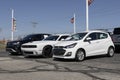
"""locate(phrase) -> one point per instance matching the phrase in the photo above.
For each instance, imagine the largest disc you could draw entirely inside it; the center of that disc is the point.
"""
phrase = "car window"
(33, 37)
(102, 35)
(51, 38)
(116, 31)
(77, 36)
(93, 36)
(62, 38)
(97, 35)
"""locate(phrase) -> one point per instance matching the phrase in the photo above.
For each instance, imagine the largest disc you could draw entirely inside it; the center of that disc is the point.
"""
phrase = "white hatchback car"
(44, 47)
(84, 44)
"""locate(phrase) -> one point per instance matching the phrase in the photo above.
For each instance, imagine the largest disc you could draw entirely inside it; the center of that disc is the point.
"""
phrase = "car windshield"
(76, 37)
(51, 38)
(28, 37)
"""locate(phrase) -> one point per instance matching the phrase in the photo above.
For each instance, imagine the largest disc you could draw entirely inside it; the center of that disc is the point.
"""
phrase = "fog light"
(69, 54)
(35, 53)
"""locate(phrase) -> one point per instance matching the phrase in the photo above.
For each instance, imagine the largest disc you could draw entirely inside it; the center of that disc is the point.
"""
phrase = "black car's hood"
(15, 41)
(22, 41)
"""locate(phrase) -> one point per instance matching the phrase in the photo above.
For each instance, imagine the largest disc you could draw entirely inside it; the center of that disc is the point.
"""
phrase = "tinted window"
(63, 38)
(116, 31)
(97, 35)
(102, 35)
(28, 37)
(34, 37)
(77, 36)
(52, 38)
(93, 36)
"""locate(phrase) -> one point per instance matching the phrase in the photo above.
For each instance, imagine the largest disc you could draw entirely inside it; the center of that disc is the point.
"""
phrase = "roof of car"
(61, 34)
(93, 31)
(39, 34)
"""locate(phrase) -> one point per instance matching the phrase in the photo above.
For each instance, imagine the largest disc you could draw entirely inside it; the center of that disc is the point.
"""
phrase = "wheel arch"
(46, 46)
(111, 47)
(82, 50)
(48, 54)
(109, 53)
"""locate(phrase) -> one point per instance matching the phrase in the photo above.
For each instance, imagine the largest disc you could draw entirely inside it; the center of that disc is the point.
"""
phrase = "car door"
(92, 46)
(103, 41)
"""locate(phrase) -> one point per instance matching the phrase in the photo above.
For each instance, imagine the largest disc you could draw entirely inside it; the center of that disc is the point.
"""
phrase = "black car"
(14, 47)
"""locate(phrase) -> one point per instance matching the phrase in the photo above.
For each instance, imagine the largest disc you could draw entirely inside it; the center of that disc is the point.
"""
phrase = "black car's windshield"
(28, 37)
(51, 38)
(77, 36)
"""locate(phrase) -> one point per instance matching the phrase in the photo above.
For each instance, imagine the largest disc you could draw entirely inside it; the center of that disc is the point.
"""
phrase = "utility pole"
(12, 32)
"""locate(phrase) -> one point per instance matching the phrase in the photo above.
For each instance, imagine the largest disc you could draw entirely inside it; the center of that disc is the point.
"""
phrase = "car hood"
(65, 43)
(41, 43)
(14, 41)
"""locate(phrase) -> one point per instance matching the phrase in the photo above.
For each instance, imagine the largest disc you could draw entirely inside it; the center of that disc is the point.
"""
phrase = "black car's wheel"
(15, 53)
(80, 55)
(110, 52)
(47, 51)
(10, 53)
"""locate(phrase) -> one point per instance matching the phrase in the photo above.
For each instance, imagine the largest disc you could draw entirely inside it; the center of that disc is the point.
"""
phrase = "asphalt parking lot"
(16, 67)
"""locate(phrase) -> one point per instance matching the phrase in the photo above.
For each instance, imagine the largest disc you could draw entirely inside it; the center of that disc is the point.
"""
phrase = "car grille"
(58, 47)
(58, 52)
(29, 46)
(28, 52)
(9, 44)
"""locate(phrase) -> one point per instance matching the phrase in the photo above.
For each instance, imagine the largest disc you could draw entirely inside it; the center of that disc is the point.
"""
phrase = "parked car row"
(76, 46)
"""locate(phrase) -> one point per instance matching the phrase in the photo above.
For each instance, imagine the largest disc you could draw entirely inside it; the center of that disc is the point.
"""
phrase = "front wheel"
(47, 51)
(80, 55)
(110, 52)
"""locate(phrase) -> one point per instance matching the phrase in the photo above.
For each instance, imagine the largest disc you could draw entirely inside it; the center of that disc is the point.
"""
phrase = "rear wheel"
(47, 51)
(80, 55)
(110, 52)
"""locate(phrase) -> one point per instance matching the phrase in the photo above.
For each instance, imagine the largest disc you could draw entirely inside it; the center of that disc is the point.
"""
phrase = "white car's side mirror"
(88, 39)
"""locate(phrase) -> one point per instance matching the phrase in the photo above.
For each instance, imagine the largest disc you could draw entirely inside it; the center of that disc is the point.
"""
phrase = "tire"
(11, 53)
(47, 51)
(80, 55)
(110, 52)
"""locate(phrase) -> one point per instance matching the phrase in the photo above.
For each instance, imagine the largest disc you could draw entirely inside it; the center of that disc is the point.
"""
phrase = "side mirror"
(88, 39)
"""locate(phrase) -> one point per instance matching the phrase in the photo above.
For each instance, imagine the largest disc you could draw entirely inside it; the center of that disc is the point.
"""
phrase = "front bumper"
(10, 47)
(32, 53)
(64, 53)
(11, 50)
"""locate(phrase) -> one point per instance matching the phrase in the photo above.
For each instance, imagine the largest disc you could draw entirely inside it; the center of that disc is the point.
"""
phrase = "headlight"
(71, 45)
